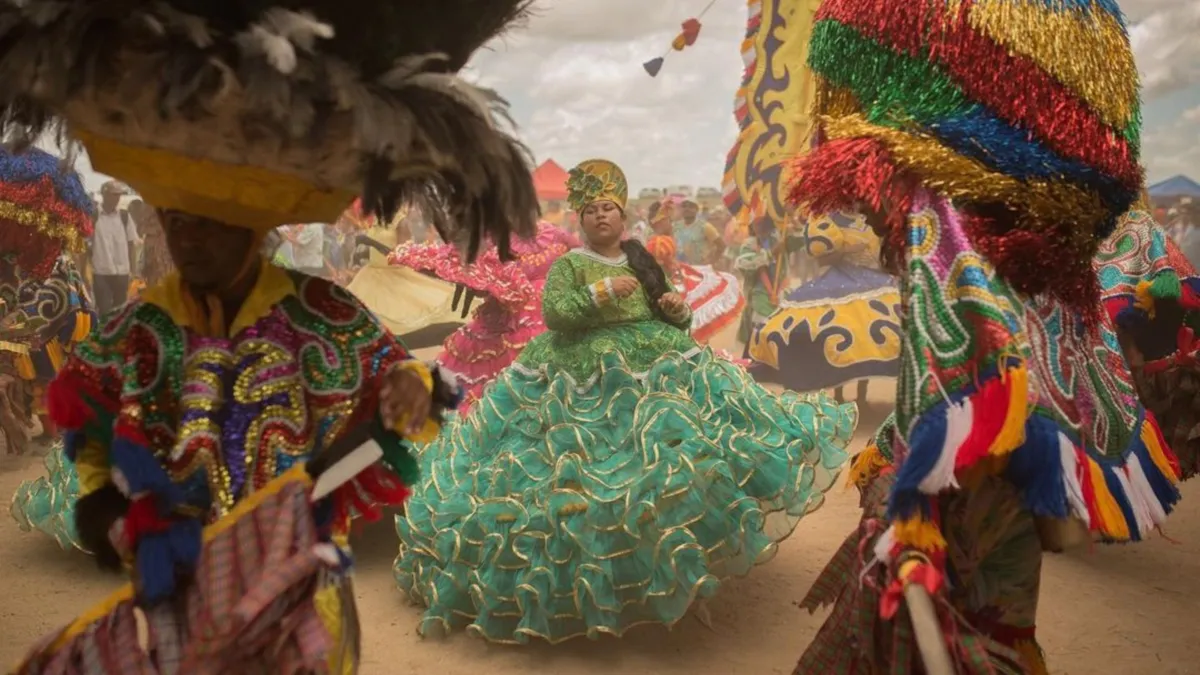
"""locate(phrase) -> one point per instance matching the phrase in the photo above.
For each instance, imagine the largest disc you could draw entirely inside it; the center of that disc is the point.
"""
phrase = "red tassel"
(844, 175)
(990, 407)
(925, 575)
(891, 600)
(1051, 259)
(65, 406)
(370, 490)
(1172, 458)
(141, 519)
(126, 429)
(1189, 299)
(1089, 491)
(382, 487)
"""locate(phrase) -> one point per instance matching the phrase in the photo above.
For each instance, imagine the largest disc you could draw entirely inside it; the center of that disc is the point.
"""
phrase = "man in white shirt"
(113, 250)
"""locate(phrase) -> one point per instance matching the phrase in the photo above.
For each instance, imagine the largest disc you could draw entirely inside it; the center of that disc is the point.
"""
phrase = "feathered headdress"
(259, 113)
(1025, 113)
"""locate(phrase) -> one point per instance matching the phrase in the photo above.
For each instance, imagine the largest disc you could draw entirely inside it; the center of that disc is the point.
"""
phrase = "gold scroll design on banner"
(778, 99)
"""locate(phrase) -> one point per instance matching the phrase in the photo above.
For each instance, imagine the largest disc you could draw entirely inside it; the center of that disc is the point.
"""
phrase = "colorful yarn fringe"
(997, 383)
(44, 210)
(1120, 499)
(1024, 112)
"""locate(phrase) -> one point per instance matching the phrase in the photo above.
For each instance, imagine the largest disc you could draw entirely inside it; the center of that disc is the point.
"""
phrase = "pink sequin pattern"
(511, 314)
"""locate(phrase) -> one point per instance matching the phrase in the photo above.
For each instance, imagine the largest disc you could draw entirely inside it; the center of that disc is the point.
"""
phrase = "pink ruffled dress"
(511, 312)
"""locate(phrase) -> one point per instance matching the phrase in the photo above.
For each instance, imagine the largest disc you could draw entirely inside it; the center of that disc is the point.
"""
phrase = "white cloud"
(1164, 36)
(1173, 148)
(575, 76)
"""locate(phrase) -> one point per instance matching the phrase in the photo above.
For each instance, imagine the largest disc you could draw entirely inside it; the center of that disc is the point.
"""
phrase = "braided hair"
(649, 274)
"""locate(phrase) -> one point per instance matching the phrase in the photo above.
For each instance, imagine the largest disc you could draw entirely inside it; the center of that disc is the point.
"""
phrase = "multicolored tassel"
(1032, 106)
(955, 436)
(866, 466)
(167, 542)
(1121, 500)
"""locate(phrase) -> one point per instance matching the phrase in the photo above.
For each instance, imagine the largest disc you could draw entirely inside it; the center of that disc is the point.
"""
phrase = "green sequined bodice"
(580, 331)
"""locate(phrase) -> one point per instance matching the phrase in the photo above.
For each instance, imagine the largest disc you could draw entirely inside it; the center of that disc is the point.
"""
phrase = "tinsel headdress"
(1146, 282)
(1025, 113)
(993, 145)
(44, 211)
(1152, 294)
(260, 113)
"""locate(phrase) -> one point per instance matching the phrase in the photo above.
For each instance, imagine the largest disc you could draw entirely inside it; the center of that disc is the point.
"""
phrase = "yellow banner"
(772, 107)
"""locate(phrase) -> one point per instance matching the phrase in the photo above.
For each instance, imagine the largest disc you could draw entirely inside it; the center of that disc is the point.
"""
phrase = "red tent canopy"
(550, 181)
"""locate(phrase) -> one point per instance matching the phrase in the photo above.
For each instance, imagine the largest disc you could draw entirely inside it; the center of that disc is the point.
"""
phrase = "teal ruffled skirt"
(47, 504)
(557, 509)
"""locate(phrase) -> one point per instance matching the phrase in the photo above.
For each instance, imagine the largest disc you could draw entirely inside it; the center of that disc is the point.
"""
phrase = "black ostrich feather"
(422, 136)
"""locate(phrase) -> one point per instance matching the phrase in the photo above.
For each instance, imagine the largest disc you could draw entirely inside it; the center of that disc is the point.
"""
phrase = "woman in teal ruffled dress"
(617, 471)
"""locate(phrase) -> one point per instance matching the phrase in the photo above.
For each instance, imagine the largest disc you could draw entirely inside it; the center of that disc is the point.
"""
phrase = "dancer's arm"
(568, 304)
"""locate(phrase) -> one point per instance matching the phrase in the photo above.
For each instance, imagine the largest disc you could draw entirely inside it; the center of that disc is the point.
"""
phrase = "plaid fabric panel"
(248, 610)
(854, 640)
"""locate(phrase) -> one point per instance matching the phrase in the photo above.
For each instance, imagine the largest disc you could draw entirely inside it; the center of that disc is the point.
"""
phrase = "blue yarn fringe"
(159, 557)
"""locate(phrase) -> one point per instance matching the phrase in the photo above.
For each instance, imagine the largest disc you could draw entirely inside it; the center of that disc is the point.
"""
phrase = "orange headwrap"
(662, 248)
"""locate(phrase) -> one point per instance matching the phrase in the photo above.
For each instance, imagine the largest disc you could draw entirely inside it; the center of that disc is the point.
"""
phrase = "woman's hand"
(625, 286)
(404, 394)
(672, 304)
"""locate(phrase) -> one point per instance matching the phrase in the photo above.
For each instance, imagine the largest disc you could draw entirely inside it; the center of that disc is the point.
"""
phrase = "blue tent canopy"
(1176, 186)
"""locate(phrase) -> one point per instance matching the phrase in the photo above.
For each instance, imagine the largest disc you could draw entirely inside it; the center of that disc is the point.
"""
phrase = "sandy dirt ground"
(1121, 610)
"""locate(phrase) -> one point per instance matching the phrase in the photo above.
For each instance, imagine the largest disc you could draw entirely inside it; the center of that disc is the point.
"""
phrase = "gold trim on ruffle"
(498, 525)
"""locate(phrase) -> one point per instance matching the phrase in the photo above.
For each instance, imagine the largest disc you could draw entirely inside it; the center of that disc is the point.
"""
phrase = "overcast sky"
(575, 80)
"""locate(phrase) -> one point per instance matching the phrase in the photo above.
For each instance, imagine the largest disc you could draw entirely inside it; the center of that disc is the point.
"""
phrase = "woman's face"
(208, 254)
(603, 223)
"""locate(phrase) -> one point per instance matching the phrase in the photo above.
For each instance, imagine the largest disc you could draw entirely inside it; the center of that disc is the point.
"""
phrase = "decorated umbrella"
(44, 210)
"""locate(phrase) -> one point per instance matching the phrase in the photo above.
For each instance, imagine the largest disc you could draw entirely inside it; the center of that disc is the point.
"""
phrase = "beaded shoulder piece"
(196, 424)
